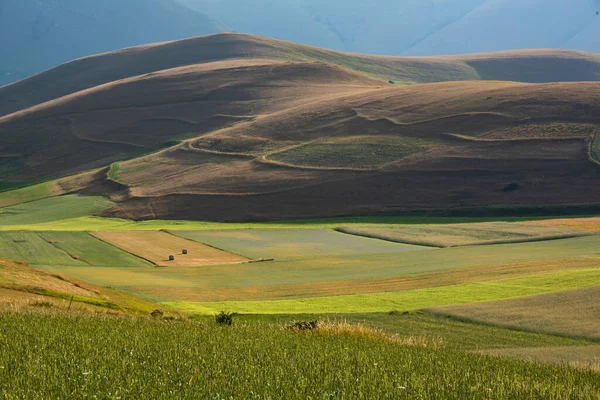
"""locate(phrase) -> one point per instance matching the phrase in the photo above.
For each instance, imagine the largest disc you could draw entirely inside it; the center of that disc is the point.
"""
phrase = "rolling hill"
(85, 73)
(37, 35)
(291, 131)
(415, 27)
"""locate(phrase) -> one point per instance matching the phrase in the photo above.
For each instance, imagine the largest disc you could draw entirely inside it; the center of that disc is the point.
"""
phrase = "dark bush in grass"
(303, 326)
(511, 187)
(225, 318)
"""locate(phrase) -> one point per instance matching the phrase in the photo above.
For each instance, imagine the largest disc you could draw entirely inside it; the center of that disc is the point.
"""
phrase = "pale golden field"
(156, 247)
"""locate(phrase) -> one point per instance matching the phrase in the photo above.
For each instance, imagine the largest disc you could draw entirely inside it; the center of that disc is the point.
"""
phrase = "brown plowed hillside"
(266, 138)
(523, 65)
(125, 118)
(382, 150)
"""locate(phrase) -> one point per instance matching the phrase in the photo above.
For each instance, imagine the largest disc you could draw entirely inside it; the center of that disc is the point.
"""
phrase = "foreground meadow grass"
(53, 355)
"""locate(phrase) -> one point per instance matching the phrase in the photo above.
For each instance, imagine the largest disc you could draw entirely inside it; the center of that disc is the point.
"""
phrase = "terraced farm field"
(156, 247)
(356, 152)
(452, 235)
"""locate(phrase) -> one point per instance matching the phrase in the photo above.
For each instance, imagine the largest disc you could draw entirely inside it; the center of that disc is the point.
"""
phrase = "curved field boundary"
(595, 147)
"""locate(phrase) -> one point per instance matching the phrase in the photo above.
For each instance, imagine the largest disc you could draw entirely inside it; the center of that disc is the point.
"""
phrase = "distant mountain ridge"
(532, 65)
(415, 27)
(37, 35)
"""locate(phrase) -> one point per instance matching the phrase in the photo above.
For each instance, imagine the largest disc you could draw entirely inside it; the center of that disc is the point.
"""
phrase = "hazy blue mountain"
(38, 34)
(415, 27)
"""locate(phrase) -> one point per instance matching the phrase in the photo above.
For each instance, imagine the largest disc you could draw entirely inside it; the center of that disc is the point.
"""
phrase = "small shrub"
(225, 318)
(511, 187)
(42, 304)
(157, 313)
(304, 326)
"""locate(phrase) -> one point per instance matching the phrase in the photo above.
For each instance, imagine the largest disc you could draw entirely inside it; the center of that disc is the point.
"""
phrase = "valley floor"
(430, 296)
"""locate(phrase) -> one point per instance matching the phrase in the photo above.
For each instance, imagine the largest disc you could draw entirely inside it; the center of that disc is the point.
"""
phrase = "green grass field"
(452, 235)
(112, 357)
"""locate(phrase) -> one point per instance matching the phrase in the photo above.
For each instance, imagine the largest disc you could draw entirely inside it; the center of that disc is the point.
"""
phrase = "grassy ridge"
(133, 358)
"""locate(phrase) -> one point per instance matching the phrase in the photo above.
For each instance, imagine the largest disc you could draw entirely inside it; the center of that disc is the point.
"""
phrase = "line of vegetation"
(110, 357)
(113, 172)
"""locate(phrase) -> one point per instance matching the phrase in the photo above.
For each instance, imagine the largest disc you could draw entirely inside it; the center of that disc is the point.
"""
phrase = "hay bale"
(184, 251)
(75, 257)
(171, 258)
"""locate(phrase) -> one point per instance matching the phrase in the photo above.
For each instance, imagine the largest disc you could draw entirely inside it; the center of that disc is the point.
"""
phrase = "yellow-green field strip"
(406, 300)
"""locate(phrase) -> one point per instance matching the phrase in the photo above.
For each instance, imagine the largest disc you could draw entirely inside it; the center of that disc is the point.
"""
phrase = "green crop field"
(112, 357)
(52, 209)
(61, 249)
(451, 235)
(26, 194)
(286, 243)
(92, 251)
(405, 300)
(30, 247)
